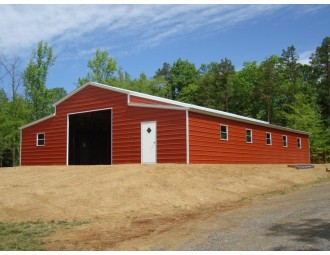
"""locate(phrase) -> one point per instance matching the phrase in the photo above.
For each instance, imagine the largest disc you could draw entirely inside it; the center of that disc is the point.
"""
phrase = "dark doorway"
(90, 138)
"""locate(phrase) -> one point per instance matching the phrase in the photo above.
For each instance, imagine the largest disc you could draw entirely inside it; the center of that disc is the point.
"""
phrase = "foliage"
(244, 100)
(18, 110)
(27, 236)
(279, 89)
(320, 62)
(13, 116)
(102, 69)
(181, 75)
(34, 77)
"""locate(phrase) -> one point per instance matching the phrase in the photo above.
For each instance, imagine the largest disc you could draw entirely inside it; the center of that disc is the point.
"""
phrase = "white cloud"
(115, 26)
(304, 57)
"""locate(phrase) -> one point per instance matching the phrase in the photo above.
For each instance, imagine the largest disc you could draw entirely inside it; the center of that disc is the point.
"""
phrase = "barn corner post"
(187, 137)
(309, 150)
(67, 139)
(20, 147)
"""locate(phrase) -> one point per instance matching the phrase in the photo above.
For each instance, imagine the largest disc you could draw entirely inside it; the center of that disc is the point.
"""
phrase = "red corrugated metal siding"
(206, 146)
(171, 135)
(126, 121)
(54, 151)
(141, 100)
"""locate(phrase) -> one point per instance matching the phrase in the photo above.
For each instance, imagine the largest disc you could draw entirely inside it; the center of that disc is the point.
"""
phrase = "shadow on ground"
(309, 233)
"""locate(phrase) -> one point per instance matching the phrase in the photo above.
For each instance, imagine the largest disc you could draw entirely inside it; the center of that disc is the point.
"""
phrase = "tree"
(182, 73)
(306, 115)
(3, 108)
(12, 114)
(189, 94)
(124, 79)
(268, 89)
(214, 87)
(34, 80)
(12, 69)
(164, 72)
(320, 61)
(291, 72)
(102, 69)
(224, 71)
(244, 82)
(155, 86)
(54, 95)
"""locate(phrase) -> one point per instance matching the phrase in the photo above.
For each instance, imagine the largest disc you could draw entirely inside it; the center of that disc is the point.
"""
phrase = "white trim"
(246, 135)
(68, 129)
(270, 138)
(286, 141)
(300, 141)
(38, 121)
(94, 110)
(111, 135)
(158, 106)
(227, 132)
(67, 138)
(142, 122)
(309, 150)
(37, 139)
(187, 138)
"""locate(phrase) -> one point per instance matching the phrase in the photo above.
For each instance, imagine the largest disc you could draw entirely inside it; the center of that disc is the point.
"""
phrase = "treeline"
(18, 109)
(279, 90)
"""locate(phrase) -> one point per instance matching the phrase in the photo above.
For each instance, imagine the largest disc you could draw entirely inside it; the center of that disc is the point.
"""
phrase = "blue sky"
(142, 37)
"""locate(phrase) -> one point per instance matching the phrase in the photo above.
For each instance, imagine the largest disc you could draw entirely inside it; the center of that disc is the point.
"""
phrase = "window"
(298, 142)
(248, 133)
(224, 132)
(285, 141)
(41, 139)
(268, 138)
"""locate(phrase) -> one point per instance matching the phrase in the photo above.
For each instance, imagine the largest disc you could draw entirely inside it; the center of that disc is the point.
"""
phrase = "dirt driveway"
(295, 222)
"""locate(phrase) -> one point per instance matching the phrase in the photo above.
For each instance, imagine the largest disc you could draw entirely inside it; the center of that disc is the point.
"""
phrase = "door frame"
(143, 122)
(68, 130)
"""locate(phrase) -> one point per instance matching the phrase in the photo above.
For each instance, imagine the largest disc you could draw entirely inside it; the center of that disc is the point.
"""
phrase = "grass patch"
(322, 180)
(26, 236)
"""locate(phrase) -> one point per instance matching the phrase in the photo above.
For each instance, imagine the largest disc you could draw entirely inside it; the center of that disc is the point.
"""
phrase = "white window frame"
(37, 140)
(227, 133)
(270, 139)
(246, 135)
(298, 142)
(285, 138)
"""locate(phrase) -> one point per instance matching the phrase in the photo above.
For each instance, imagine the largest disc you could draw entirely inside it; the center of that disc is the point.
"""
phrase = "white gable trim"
(38, 121)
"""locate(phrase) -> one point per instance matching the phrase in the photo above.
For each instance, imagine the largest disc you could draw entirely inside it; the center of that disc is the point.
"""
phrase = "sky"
(142, 37)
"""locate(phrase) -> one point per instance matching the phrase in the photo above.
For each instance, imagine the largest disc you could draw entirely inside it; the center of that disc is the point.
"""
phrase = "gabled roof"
(176, 105)
(163, 100)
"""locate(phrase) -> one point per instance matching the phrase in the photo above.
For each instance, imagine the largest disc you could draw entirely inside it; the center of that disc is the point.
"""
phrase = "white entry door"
(148, 142)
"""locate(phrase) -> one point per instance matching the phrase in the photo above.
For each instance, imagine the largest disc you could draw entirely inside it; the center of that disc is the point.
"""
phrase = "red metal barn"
(99, 124)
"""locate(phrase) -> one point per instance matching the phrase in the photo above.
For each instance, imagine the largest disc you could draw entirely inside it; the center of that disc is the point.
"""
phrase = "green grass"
(27, 236)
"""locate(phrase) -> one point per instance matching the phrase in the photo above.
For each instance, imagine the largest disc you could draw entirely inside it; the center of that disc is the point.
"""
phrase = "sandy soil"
(125, 202)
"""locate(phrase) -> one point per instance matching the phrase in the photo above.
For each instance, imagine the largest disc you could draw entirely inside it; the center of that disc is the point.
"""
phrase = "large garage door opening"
(90, 138)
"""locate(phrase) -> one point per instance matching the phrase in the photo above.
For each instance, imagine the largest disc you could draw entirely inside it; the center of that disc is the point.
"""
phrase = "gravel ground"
(296, 221)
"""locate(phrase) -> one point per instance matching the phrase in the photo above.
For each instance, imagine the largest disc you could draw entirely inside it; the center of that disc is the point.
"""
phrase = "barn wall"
(54, 151)
(141, 100)
(206, 146)
(126, 128)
